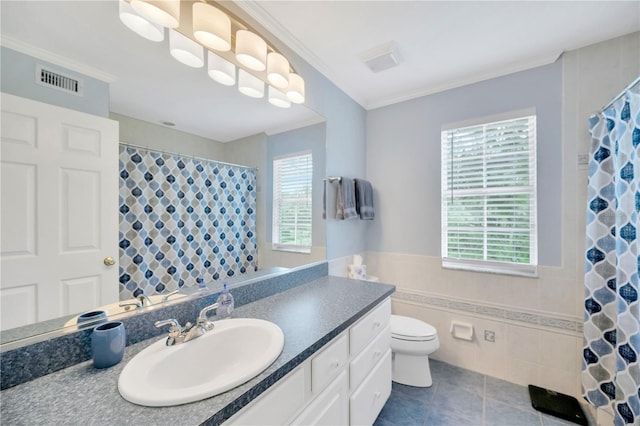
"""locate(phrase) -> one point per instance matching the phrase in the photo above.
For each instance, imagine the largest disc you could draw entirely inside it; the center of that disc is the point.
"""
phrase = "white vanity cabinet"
(345, 383)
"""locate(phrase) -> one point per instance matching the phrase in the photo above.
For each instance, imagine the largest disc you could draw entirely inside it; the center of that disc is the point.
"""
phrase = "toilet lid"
(411, 329)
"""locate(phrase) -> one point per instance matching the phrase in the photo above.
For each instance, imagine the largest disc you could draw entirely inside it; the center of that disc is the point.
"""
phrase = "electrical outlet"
(490, 336)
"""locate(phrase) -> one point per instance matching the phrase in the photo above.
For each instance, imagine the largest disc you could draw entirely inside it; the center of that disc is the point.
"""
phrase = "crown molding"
(289, 127)
(510, 69)
(257, 12)
(54, 58)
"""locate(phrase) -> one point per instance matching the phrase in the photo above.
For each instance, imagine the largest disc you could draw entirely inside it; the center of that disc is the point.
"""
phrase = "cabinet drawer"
(369, 357)
(369, 327)
(326, 366)
(367, 401)
(279, 403)
(330, 408)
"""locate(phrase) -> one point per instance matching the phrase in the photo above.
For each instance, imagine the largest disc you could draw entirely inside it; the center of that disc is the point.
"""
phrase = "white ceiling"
(443, 44)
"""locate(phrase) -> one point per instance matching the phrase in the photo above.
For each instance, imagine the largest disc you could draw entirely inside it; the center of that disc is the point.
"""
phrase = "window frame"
(499, 267)
(275, 224)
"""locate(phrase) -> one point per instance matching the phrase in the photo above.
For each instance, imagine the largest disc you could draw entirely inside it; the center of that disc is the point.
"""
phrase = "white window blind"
(292, 188)
(489, 197)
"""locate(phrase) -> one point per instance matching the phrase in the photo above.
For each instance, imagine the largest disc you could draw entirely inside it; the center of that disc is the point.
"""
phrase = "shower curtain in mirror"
(610, 362)
(182, 218)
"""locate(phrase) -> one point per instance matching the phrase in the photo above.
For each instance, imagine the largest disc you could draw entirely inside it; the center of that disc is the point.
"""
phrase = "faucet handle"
(203, 321)
(175, 331)
(144, 299)
(175, 328)
(136, 303)
(168, 295)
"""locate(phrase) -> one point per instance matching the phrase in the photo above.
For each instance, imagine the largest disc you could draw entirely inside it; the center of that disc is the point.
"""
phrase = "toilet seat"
(411, 329)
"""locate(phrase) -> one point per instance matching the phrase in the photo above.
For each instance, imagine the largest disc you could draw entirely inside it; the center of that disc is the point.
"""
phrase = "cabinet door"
(277, 405)
(59, 192)
(367, 401)
(330, 408)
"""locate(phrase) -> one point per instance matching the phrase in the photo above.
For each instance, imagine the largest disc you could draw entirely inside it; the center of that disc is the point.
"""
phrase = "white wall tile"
(522, 372)
(558, 296)
(558, 380)
(523, 343)
(523, 293)
(491, 288)
(491, 356)
(558, 351)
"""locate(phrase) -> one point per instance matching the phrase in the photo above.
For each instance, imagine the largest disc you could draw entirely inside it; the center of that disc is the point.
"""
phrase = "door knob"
(109, 261)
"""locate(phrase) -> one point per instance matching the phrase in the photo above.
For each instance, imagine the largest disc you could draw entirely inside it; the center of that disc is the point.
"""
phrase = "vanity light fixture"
(221, 70)
(251, 50)
(185, 50)
(295, 90)
(278, 98)
(250, 85)
(161, 12)
(211, 27)
(138, 24)
(230, 44)
(277, 70)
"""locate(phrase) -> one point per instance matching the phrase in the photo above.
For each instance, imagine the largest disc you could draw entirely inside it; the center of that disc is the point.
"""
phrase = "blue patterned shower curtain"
(183, 218)
(610, 364)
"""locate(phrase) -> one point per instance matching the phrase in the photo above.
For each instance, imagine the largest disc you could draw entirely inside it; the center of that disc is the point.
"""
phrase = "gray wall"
(18, 77)
(403, 158)
(345, 150)
(162, 138)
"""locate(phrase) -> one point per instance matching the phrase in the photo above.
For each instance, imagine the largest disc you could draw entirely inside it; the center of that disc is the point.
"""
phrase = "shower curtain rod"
(209, 160)
(633, 83)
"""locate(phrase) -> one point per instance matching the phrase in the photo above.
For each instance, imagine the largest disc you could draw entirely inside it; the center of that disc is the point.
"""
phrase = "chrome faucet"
(179, 334)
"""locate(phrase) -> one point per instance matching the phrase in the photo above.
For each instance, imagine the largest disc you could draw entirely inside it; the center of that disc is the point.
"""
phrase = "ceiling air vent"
(382, 57)
(56, 80)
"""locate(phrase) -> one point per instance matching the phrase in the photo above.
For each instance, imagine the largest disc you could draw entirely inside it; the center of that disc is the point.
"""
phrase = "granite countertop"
(310, 316)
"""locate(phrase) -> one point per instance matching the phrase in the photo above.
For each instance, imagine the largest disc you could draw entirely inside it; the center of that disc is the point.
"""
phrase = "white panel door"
(58, 211)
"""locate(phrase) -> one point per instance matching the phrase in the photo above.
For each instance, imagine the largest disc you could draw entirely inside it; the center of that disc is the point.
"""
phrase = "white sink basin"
(235, 351)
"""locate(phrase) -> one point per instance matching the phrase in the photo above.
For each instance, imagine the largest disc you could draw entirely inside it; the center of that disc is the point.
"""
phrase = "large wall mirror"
(146, 89)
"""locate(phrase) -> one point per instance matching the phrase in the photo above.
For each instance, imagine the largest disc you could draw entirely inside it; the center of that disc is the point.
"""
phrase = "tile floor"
(461, 397)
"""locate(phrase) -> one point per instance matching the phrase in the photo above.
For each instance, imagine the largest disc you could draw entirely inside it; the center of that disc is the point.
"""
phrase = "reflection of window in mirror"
(292, 176)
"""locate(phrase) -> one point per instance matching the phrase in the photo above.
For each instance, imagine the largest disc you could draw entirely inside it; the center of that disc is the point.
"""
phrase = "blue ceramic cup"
(91, 318)
(107, 344)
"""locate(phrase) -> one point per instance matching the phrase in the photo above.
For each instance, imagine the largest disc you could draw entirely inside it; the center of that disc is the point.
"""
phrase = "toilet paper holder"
(462, 330)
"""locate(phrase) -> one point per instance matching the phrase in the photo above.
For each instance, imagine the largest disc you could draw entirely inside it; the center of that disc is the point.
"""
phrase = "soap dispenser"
(225, 303)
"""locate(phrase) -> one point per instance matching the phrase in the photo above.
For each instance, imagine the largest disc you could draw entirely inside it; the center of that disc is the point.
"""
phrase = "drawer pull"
(335, 363)
(377, 324)
(376, 354)
(377, 395)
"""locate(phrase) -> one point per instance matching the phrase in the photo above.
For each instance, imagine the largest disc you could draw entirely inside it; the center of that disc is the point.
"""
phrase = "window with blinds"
(292, 188)
(489, 197)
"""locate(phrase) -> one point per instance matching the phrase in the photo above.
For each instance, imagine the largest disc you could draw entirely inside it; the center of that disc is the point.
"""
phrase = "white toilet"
(412, 341)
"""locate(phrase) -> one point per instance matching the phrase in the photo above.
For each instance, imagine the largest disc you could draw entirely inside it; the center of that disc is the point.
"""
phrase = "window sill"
(528, 271)
(291, 249)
